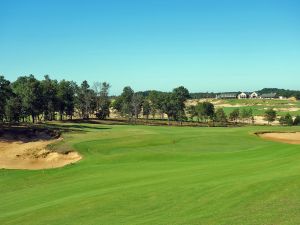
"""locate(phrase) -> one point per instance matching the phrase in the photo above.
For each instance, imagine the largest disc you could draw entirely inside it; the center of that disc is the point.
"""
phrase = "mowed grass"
(160, 175)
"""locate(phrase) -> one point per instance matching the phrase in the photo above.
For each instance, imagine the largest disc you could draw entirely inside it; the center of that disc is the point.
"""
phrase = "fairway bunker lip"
(33, 153)
(289, 137)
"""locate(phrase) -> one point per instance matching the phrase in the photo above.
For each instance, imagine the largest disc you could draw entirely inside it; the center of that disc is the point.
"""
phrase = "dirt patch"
(230, 105)
(290, 138)
(217, 103)
(30, 151)
(292, 109)
(260, 120)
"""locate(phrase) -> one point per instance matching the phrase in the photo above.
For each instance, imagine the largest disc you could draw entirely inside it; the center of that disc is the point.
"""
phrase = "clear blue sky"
(205, 45)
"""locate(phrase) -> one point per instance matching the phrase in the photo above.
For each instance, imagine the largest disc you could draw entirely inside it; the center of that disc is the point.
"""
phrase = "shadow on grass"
(41, 132)
(77, 127)
(28, 133)
(96, 121)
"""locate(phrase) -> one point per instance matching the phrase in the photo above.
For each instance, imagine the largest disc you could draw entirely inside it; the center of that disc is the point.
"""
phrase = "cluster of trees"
(29, 99)
(287, 119)
(130, 104)
(244, 115)
(205, 112)
(270, 115)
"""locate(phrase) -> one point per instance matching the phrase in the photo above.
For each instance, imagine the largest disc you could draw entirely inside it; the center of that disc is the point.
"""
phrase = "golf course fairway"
(159, 175)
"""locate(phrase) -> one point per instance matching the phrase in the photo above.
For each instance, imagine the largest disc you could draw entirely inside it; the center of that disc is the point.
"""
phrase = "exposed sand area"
(290, 138)
(32, 154)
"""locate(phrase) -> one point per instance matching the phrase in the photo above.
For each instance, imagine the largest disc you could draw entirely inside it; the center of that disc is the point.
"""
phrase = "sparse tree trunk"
(153, 115)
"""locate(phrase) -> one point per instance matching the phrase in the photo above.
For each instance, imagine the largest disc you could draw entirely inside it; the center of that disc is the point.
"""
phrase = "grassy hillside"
(159, 175)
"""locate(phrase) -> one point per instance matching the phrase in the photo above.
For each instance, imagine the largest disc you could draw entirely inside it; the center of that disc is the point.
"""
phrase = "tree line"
(131, 104)
(29, 100)
(281, 92)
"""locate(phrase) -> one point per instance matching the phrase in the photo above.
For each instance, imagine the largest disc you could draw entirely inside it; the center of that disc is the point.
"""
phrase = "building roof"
(228, 94)
(268, 95)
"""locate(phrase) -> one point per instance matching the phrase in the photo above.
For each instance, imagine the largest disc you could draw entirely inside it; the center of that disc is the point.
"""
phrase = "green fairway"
(159, 175)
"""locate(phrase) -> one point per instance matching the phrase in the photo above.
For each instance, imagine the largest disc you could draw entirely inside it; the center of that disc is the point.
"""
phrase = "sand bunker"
(290, 138)
(32, 154)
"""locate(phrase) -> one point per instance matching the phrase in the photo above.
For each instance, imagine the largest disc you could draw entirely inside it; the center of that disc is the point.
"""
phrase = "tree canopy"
(270, 115)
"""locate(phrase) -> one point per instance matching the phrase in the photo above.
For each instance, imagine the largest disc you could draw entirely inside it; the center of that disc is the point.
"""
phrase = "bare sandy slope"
(291, 138)
(260, 120)
(32, 155)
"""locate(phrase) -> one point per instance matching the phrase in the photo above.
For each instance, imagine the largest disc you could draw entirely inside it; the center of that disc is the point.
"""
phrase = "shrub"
(270, 115)
(286, 120)
(220, 116)
(297, 121)
(234, 115)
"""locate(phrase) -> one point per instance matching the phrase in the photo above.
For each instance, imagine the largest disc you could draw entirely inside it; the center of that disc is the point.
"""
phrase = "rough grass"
(160, 175)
